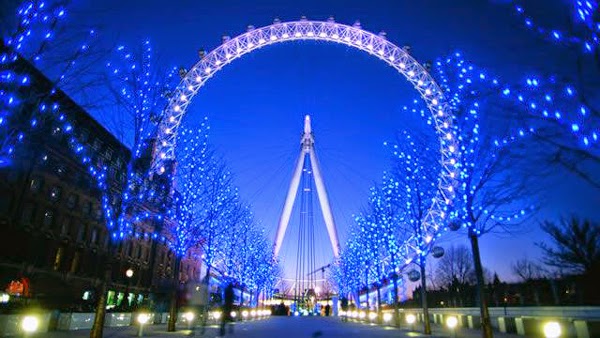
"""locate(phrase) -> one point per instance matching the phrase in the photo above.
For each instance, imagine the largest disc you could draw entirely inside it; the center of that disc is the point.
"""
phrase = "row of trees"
(507, 136)
(193, 205)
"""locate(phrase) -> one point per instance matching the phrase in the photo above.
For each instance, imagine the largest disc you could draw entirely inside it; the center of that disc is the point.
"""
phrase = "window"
(106, 238)
(48, 218)
(97, 144)
(99, 214)
(72, 201)
(75, 262)
(94, 236)
(80, 232)
(84, 135)
(108, 154)
(65, 226)
(55, 193)
(58, 258)
(35, 185)
(87, 207)
(28, 214)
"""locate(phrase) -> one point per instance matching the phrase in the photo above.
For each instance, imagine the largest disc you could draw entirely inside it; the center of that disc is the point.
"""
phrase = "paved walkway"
(285, 327)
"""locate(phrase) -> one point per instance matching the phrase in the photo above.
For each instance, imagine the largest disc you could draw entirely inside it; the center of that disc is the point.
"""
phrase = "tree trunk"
(426, 323)
(379, 318)
(98, 327)
(174, 294)
(396, 308)
(486, 324)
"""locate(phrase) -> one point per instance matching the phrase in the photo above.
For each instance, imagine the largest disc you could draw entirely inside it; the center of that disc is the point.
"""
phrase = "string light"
(585, 14)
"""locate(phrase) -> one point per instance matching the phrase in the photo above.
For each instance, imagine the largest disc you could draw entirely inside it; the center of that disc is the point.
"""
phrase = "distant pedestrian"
(327, 309)
(227, 308)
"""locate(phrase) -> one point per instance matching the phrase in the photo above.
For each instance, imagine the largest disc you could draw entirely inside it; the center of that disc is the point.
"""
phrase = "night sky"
(256, 105)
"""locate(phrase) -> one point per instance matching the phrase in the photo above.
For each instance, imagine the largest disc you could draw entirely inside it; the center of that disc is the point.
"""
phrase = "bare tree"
(527, 270)
(575, 244)
(456, 265)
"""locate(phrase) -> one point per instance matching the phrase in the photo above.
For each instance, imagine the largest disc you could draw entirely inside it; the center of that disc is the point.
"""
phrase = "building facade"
(54, 245)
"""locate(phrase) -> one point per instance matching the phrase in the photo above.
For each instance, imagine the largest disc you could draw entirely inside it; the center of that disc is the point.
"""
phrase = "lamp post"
(128, 274)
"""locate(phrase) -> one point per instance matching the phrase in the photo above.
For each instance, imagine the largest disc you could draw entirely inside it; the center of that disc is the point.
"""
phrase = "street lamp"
(410, 320)
(30, 324)
(142, 318)
(387, 317)
(552, 330)
(451, 322)
(128, 274)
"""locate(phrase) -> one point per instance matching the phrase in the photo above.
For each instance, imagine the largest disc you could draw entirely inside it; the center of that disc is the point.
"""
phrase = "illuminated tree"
(413, 179)
(386, 218)
(246, 256)
(64, 56)
(565, 94)
(204, 196)
(37, 42)
(494, 193)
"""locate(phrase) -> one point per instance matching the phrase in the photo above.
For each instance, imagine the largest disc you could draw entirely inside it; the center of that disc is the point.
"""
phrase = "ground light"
(189, 317)
(451, 322)
(142, 318)
(30, 324)
(372, 315)
(410, 320)
(387, 317)
(552, 330)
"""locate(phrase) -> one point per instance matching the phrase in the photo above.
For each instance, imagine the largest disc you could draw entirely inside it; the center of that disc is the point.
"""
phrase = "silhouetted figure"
(344, 305)
(327, 309)
(227, 308)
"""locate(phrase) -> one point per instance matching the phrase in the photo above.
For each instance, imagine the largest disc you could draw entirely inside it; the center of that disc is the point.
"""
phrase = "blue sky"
(256, 105)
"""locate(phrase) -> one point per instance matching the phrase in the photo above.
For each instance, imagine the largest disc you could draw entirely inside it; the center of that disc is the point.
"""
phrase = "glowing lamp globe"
(143, 318)
(30, 324)
(552, 330)
(189, 316)
(451, 322)
(410, 318)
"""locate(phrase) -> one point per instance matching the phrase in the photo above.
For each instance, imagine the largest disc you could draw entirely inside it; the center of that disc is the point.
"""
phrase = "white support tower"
(308, 149)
